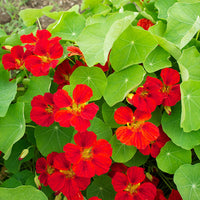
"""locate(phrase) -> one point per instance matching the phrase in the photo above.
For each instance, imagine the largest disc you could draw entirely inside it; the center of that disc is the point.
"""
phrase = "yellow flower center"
(166, 89)
(132, 188)
(87, 153)
(20, 64)
(50, 169)
(68, 173)
(49, 109)
(135, 124)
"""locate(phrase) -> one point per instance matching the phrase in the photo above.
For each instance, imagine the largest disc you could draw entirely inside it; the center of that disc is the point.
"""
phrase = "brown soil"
(58, 6)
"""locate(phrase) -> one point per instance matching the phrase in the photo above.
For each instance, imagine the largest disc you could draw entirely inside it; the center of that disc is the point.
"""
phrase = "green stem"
(197, 36)
(39, 24)
(164, 180)
(30, 126)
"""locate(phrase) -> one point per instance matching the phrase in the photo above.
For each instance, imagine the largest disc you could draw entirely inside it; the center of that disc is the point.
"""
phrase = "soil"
(45, 21)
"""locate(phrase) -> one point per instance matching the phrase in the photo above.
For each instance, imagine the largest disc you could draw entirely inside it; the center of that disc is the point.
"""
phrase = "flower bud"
(37, 182)
(23, 154)
(168, 109)
(59, 196)
(149, 176)
(7, 47)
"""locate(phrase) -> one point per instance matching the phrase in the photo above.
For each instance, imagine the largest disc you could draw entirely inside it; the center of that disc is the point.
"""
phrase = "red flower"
(154, 147)
(65, 180)
(170, 89)
(160, 195)
(148, 96)
(15, 59)
(64, 71)
(117, 167)
(75, 51)
(130, 186)
(89, 155)
(94, 198)
(31, 40)
(145, 23)
(75, 112)
(43, 109)
(45, 167)
(174, 195)
(137, 132)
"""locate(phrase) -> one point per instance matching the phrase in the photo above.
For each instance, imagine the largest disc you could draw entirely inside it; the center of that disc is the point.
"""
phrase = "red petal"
(43, 34)
(146, 151)
(155, 150)
(43, 178)
(41, 165)
(62, 99)
(79, 123)
(123, 115)
(72, 152)
(30, 38)
(74, 51)
(89, 111)
(56, 50)
(51, 157)
(82, 93)
(170, 76)
(102, 147)
(174, 195)
(85, 139)
(124, 135)
(147, 191)
(77, 196)
(48, 98)
(82, 182)
(38, 101)
(135, 175)
(150, 131)
(32, 62)
(124, 196)
(61, 163)
(145, 23)
(41, 47)
(141, 116)
(63, 117)
(120, 182)
(8, 61)
(56, 181)
(17, 52)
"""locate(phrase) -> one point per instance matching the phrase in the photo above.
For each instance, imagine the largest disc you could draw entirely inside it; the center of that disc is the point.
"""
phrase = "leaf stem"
(30, 126)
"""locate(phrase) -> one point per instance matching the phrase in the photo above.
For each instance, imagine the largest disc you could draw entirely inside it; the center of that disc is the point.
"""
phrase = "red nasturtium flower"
(65, 180)
(43, 109)
(145, 23)
(148, 96)
(174, 195)
(160, 195)
(117, 167)
(154, 147)
(130, 186)
(75, 112)
(45, 167)
(137, 132)
(15, 59)
(64, 71)
(89, 155)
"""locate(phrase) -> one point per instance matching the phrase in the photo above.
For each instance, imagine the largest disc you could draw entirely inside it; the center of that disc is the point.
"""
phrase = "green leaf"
(102, 188)
(8, 90)
(69, 26)
(163, 7)
(12, 128)
(171, 157)
(108, 114)
(183, 23)
(94, 77)
(97, 39)
(156, 60)
(121, 152)
(121, 83)
(102, 130)
(197, 151)
(52, 138)
(36, 86)
(90, 4)
(187, 180)
(190, 95)
(22, 193)
(137, 160)
(189, 64)
(119, 3)
(132, 47)
(171, 126)
(30, 16)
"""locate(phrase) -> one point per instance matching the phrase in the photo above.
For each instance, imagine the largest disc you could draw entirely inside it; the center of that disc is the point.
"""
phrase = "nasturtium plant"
(103, 104)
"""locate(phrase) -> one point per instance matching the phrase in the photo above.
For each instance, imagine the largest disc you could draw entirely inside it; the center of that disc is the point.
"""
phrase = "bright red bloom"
(94, 198)
(75, 51)
(148, 96)
(64, 71)
(31, 40)
(15, 59)
(130, 186)
(45, 167)
(160, 195)
(170, 89)
(43, 109)
(89, 155)
(65, 180)
(154, 147)
(145, 23)
(117, 167)
(137, 132)
(75, 112)
(174, 195)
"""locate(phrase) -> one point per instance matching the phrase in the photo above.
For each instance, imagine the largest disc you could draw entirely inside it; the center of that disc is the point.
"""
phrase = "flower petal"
(41, 165)
(72, 152)
(79, 123)
(124, 135)
(147, 191)
(102, 147)
(135, 175)
(170, 76)
(120, 181)
(85, 139)
(123, 115)
(62, 99)
(43, 34)
(63, 117)
(60, 162)
(89, 111)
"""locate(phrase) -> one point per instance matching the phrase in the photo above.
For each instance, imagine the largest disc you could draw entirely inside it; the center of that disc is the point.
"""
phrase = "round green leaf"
(102, 130)
(94, 77)
(171, 126)
(69, 26)
(187, 180)
(197, 151)
(22, 193)
(190, 95)
(121, 152)
(52, 138)
(12, 127)
(171, 157)
(132, 47)
(121, 83)
(102, 188)
(157, 59)
(189, 64)
(8, 90)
